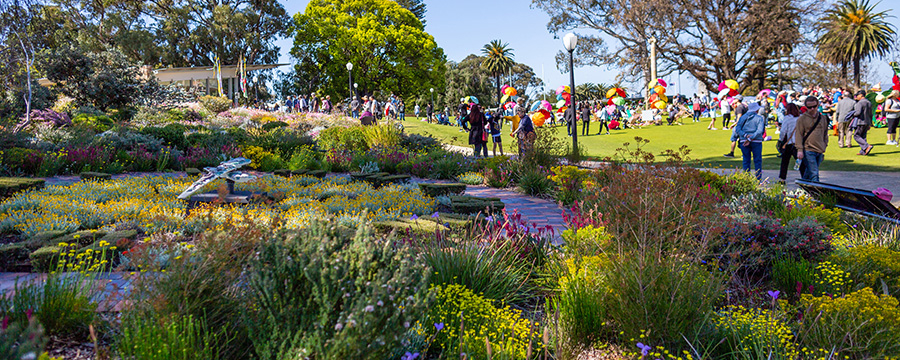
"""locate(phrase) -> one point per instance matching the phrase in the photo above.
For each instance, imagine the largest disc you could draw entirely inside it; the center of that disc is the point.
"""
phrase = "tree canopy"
(854, 31)
(386, 43)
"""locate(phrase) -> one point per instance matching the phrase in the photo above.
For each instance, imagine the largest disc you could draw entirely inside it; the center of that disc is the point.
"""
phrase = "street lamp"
(256, 87)
(432, 97)
(350, 71)
(569, 41)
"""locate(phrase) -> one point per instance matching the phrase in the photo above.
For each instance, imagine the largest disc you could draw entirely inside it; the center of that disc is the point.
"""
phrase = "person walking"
(749, 131)
(524, 132)
(862, 114)
(354, 107)
(786, 138)
(843, 111)
(416, 111)
(585, 119)
(477, 137)
(429, 112)
(401, 110)
(811, 138)
(696, 107)
(326, 104)
(569, 117)
(494, 126)
(892, 114)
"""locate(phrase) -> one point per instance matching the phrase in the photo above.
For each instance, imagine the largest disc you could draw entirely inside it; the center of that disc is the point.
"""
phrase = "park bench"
(860, 201)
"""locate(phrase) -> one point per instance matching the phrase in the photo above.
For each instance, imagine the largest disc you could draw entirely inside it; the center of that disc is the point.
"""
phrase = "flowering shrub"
(872, 266)
(805, 206)
(262, 159)
(55, 118)
(582, 297)
(509, 334)
(756, 243)
(324, 294)
(755, 331)
(215, 104)
(859, 325)
(569, 181)
(471, 178)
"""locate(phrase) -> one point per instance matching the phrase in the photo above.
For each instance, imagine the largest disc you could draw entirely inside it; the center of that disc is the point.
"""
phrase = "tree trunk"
(856, 71)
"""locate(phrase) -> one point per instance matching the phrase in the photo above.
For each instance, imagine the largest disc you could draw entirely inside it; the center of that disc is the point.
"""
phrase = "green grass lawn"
(707, 146)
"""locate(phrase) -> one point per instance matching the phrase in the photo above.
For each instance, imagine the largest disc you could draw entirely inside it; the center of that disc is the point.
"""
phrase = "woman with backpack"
(786, 138)
(477, 137)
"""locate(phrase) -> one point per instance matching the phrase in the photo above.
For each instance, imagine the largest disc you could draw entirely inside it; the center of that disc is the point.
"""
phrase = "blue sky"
(462, 27)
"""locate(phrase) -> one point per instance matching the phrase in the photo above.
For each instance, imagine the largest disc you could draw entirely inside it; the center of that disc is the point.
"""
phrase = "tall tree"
(855, 31)
(17, 44)
(387, 45)
(498, 58)
(193, 32)
(417, 7)
(711, 39)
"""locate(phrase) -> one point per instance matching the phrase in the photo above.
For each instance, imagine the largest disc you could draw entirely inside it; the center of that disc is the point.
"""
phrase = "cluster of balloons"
(471, 100)
(657, 98)
(728, 89)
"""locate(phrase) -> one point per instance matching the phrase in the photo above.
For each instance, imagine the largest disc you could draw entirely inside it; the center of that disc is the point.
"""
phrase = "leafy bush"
(269, 126)
(807, 207)
(340, 138)
(382, 136)
(97, 123)
(215, 104)
(61, 303)
(24, 160)
(494, 272)
(535, 182)
(171, 134)
(872, 266)
(281, 141)
(664, 296)
(860, 325)
(790, 275)
(582, 301)
(570, 183)
(262, 159)
(471, 178)
(22, 340)
(754, 334)
(325, 293)
(509, 334)
(304, 158)
(547, 150)
(48, 115)
(178, 338)
(417, 142)
(586, 241)
(762, 239)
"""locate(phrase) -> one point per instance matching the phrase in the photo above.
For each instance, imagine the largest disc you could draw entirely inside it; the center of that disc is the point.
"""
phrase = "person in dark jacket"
(477, 137)
(585, 119)
(863, 114)
(569, 116)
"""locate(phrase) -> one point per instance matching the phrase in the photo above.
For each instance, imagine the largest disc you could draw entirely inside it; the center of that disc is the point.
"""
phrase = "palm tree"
(498, 59)
(855, 32)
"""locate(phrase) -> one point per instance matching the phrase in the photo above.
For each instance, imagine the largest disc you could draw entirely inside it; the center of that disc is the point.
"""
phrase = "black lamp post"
(569, 41)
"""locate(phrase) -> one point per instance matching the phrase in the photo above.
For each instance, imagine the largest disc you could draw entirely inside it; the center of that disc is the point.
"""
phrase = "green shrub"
(417, 142)
(806, 207)
(569, 182)
(262, 159)
(169, 339)
(758, 242)
(859, 325)
(22, 340)
(44, 259)
(535, 182)
(97, 123)
(327, 294)
(871, 266)
(269, 126)
(510, 335)
(44, 238)
(495, 272)
(586, 241)
(582, 301)
(171, 134)
(282, 141)
(382, 136)
(663, 296)
(305, 158)
(215, 104)
(10, 186)
(12, 255)
(340, 138)
(547, 150)
(61, 303)
(21, 159)
(754, 334)
(789, 273)
(471, 178)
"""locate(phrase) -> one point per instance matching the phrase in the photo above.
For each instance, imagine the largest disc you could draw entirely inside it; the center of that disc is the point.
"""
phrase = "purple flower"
(439, 326)
(645, 349)
(489, 218)
(409, 356)
(435, 215)
(414, 217)
(774, 294)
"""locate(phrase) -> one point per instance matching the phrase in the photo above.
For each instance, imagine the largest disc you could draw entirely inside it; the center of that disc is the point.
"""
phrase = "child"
(493, 126)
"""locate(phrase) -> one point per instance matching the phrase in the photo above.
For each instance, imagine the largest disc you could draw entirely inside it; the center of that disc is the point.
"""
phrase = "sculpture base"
(236, 197)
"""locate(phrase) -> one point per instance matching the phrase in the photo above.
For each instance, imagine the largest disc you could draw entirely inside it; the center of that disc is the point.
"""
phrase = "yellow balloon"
(538, 119)
(660, 104)
(663, 98)
(731, 84)
(659, 89)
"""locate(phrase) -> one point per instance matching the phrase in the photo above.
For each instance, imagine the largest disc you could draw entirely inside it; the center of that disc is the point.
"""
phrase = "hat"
(883, 194)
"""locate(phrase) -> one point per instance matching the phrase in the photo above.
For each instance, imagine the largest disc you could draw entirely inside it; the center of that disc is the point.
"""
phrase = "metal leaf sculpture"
(226, 170)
